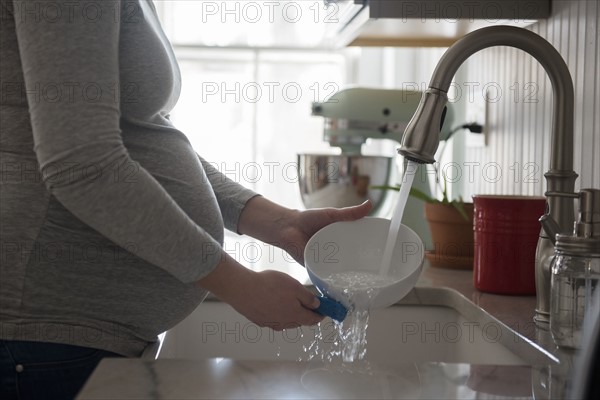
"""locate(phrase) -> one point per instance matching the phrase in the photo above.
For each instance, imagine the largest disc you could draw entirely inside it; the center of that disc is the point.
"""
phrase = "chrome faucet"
(420, 139)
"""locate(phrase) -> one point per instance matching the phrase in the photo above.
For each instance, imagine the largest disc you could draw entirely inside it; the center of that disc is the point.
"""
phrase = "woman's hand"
(278, 301)
(268, 298)
(291, 229)
(304, 224)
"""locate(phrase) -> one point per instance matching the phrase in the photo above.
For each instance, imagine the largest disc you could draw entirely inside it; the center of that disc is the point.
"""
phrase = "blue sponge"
(331, 308)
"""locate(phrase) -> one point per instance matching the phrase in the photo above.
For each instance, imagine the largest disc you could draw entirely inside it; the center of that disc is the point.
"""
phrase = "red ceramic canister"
(506, 230)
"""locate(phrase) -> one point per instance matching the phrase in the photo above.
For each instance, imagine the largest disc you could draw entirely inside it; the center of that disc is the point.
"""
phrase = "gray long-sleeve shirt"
(107, 214)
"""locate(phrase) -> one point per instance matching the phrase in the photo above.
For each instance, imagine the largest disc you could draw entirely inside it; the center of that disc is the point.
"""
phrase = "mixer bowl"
(343, 180)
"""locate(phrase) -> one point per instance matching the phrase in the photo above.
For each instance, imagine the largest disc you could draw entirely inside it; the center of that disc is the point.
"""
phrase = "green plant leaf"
(460, 207)
(384, 187)
(458, 204)
(445, 192)
(414, 192)
(419, 194)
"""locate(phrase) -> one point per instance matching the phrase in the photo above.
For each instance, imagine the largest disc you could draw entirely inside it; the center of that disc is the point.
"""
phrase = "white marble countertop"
(227, 378)
(235, 379)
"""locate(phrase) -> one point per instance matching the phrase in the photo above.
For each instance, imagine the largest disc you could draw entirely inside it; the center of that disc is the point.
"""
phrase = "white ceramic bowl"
(358, 246)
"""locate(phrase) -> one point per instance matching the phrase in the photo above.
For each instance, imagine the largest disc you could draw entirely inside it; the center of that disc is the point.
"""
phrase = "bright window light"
(247, 110)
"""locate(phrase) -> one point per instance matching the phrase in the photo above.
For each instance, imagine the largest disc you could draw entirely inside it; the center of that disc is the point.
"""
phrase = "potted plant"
(451, 226)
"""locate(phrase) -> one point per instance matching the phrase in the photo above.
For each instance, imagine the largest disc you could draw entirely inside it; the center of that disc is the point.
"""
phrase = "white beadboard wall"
(519, 121)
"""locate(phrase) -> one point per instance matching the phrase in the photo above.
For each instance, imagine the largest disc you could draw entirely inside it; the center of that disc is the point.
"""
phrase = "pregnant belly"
(170, 159)
(105, 285)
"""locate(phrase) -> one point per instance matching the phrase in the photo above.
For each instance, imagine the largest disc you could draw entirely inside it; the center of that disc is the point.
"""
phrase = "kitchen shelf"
(427, 23)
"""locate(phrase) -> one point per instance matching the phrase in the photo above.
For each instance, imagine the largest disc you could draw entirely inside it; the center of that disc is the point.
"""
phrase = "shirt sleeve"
(231, 196)
(77, 139)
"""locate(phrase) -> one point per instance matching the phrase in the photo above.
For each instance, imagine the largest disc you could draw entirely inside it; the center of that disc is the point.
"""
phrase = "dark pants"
(35, 370)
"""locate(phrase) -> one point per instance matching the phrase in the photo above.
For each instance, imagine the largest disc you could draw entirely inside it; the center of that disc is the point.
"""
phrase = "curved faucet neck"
(545, 54)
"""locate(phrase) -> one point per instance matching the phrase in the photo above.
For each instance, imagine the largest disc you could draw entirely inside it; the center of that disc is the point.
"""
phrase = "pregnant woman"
(111, 224)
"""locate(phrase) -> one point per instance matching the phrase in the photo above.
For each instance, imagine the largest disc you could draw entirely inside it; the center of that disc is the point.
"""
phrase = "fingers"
(283, 304)
(309, 302)
(296, 317)
(308, 299)
(355, 212)
(312, 318)
(308, 317)
(363, 209)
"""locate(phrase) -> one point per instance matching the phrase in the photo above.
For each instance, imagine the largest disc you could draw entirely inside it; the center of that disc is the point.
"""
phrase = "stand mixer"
(352, 116)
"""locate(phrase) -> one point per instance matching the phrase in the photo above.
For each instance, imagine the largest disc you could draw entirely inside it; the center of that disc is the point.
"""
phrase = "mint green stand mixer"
(353, 116)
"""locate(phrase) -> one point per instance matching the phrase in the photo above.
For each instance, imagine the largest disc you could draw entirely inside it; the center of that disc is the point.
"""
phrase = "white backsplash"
(519, 120)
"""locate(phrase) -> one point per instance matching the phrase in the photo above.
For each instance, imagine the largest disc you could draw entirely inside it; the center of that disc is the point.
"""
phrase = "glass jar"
(575, 276)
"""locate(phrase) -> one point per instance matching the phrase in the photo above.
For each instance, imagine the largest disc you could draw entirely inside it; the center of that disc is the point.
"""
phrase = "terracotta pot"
(452, 236)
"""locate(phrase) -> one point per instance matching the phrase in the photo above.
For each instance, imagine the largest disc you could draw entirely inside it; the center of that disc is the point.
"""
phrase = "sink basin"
(430, 324)
(435, 343)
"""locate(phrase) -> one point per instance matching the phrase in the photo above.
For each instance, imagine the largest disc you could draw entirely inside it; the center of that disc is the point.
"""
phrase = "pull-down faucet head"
(420, 139)
(421, 136)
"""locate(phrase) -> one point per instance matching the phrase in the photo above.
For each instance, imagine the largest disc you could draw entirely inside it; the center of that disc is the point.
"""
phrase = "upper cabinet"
(424, 22)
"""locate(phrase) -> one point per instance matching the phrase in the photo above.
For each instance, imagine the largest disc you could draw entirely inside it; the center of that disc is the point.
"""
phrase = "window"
(247, 109)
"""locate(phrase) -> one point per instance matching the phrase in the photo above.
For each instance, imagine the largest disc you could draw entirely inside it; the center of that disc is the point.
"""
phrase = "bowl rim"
(318, 281)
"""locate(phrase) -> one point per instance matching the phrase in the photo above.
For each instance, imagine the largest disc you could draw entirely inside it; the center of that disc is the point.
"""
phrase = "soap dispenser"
(575, 272)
